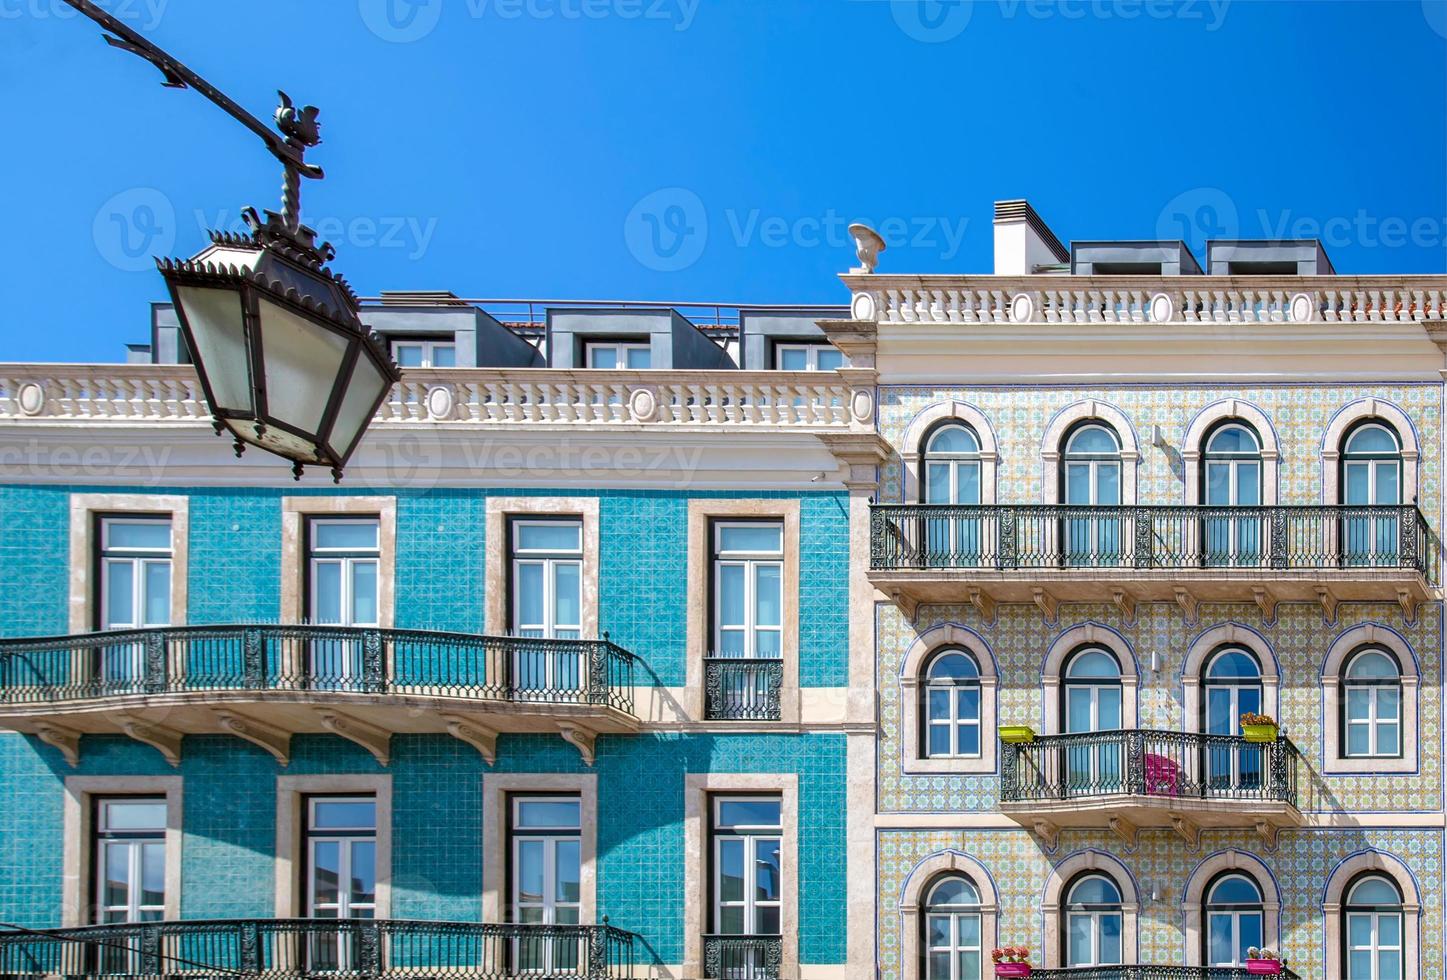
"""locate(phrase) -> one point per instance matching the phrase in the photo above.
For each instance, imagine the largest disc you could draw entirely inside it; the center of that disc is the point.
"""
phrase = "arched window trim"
(913, 679)
(930, 455)
(1348, 682)
(912, 902)
(916, 438)
(928, 909)
(1204, 877)
(1052, 447)
(1052, 902)
(1095, 910)
(1069, 455)
(1347, 644)
(1334, 908)
(1210, 907)
(1347, 418)
(1198, 656)
(1211, 418)
(1207, 456)
(926, 719)
(1052, 673)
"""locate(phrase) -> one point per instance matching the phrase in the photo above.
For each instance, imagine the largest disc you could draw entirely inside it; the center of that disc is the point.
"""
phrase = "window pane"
(1389, 930)
(767, 611)
(530, 871)
(1080, 941)
(1108, 710)
(1359, 700)
(1388, 491)
(603, 357)
(1222, 951)
(829, 359)
(566, 588)
(530, 594)
(151, 535)
(731, 871)
(327, 601)
(118, 874)
(750, 538)
(1110, 938)
(1077, 484)
(120, 597)
(1389, 965)
(1107, 484)
(767, 920)
(937, 483)
(766, 644)
(939, 966)
(1359, 740)
(938, 931)
(1248, 484)
(364, 593)
(749, 813)
(731, 595)
(153, 873)
(967, 703)
(408, 355)
(1389, 703)
(356, 536)
(1357, 487)
(767, 870)
(138, 815)
(326, 869)
(969, 739)
(939, 740)
(1218, 486)
(548, 814)
(731, 920)
(549, 536)
(363, 886)
(793, 359)
(158, 593)
(344, 815)
(968, 483)
(1251, 928)
(640, 358)
(444, 355)
(1361, 966)
(568, 872)
(1387, 739)
(1359, 930)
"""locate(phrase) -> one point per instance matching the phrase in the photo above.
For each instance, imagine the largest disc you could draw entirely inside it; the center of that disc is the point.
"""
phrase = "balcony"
(742, 689)
(267, 683)
(1056, 552)
(1125, 780)
(742, 957)
(1152, 972)
(348, 949)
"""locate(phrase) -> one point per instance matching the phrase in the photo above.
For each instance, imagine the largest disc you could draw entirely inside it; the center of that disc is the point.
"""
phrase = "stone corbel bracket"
(580, 738)
(164, 740)
(375, 740)
(273, 740)
(62, 738)
(480, 737)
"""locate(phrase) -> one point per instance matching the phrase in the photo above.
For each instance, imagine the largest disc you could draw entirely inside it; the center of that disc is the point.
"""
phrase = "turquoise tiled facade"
(230, 795)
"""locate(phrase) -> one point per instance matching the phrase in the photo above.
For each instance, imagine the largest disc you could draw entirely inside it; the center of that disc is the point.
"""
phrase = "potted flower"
(1013, 734)
(1011, 961)
(1258, 728)
(1263, 962)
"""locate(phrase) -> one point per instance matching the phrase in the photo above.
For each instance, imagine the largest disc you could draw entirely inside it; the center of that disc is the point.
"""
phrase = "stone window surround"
(1052, 447)
(701, 514)
(290, 823)
(498, 574)
(911, 906)
(1087, 634)
(294, 548)
(1053, 901)
(912, 681)
(1207, 643)
(1342, 875)
(84, 508)
(912, 451)
(77, 850)
(698, 788)
(1360, 411)
(1193, 449)
(1193, 902)
(1368, 634)
(496, 789)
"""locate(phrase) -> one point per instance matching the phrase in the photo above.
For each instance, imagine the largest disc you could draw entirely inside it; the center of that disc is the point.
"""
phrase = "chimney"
(1023, 242)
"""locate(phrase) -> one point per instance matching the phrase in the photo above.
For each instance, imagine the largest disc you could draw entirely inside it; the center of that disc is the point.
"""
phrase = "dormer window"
(614, 355)
(424, 353)
(808, 357)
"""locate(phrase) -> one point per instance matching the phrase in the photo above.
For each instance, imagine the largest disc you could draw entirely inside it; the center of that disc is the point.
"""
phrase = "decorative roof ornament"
(867, 245)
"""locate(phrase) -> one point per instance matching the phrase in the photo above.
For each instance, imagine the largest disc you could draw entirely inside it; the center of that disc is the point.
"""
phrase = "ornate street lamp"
(284, 359)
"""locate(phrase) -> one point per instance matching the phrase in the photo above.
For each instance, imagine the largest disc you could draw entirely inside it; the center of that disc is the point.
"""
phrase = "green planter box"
(1260, 733)
(1013, 734)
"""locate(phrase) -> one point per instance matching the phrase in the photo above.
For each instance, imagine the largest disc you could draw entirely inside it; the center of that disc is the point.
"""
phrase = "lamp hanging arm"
(299, 128)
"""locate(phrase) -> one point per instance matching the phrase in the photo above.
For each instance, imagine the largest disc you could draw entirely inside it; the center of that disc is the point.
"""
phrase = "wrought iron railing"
(742, 689)
(346, 949)
(1008, 536)
(1150, 972)
(742, 957)
(1174, 766)
(178, 660)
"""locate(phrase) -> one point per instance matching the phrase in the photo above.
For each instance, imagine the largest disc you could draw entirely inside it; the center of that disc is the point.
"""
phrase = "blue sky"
(709, 149)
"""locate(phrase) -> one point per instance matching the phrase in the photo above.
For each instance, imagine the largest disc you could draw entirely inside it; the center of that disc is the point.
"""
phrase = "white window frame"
(621, 349)
(1235, 914)
(347, 560)
(429, 350)
(135, 841)
(1095, 915)
(751, 562)
(954, 914)
(344, 838)
(549, 561)
(1375, 720)
(953, 721)
(140, 560)
(811, 354)
(749, 835)
(557, 955)
(1375, 914)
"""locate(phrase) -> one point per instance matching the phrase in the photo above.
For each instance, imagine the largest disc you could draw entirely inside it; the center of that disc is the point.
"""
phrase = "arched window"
(952, 943)
(1231, 477)
(952, 476)
(1371, 477)
(1372, 705)
(1092, 703)
(1372, 926)
(952, 706)
(1232, 684)
(1235, 920)
(1093, 922)
(1090, 476)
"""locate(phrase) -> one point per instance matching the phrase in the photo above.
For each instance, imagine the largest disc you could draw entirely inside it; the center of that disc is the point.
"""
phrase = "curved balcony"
(347, 949)
(1125, 780)
(1048, 553)
(267, 683)
(1152, 972)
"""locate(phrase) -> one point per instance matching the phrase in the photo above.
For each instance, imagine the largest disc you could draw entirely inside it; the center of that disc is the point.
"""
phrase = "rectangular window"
(612, 355)
(809, 357)
(424, 353)
(129, 859)
(343, 565)
(748, 572)
(545, 869)
(746, 869)
(547, 577)
(135, 563)
(340, 843)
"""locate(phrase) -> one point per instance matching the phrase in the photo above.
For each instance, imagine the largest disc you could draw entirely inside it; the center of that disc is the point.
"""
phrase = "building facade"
(759, 643)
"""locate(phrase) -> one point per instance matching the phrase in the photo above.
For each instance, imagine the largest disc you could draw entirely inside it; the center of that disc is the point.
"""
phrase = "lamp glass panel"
(217, 329)
(300, 360)
(357, 401)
